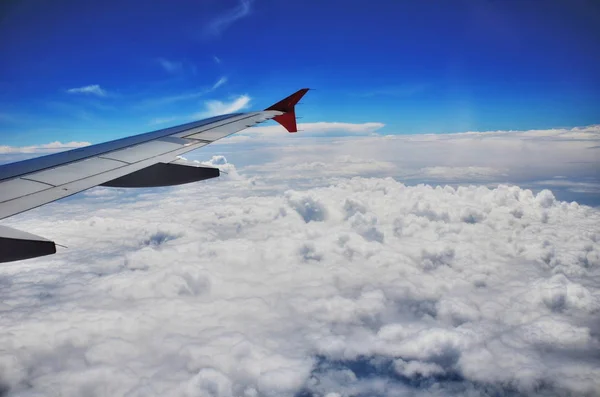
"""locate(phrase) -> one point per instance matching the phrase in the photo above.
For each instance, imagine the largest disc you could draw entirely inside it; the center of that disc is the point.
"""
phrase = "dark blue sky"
(426, 66)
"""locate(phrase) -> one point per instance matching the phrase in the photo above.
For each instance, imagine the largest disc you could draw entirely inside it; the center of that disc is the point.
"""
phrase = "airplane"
(144, 160)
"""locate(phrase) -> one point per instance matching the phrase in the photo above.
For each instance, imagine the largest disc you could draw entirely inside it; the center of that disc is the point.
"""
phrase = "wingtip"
(287, 106)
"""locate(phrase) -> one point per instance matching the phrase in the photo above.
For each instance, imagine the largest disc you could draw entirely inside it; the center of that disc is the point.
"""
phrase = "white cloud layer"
(564, 160)
(365, 286)
(313, 129)
(569, 157)
(93, 89)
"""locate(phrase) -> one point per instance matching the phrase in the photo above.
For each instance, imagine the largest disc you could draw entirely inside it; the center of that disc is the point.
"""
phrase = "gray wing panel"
(137, 153)
(74, 171)
(53, 182)
(19, 187)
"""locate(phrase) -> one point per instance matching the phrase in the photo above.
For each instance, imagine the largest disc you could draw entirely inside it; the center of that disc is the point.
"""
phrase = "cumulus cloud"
(219, 162)
(93, 89)
(362, 286)
(223, 21)
(215, 107)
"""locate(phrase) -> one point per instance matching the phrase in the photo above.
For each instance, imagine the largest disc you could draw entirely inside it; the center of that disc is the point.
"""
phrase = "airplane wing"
(145, 160)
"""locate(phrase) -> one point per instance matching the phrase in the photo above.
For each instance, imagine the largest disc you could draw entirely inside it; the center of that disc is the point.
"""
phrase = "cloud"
(222, 22)
(276, 134)
(582, 187)
(460, 173)
(298, 172)
(515, 157)
(315, 129)
(219, 83)
(172, 67)
(45, 148)
(255, 286)
(93, 89)
(186, 96)
(215, 107)
(163, 120)
(216, 59)
(219, 162)
(170, 99)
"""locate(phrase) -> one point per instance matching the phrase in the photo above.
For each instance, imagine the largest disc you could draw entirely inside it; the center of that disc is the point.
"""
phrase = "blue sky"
(93, 71)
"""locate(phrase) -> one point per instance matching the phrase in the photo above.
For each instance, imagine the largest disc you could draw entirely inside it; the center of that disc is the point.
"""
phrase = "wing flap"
(164, 174)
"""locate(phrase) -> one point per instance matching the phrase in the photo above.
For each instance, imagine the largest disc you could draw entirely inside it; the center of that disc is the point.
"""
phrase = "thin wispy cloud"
(216, 59)
(162, 120)
(172, 67)
(185, 96)
(215, 107)
(173, 98)
(219, 82)
(93, 89)
(222, 22)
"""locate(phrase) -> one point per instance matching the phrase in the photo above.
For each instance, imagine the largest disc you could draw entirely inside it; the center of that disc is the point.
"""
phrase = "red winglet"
(288, 118)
